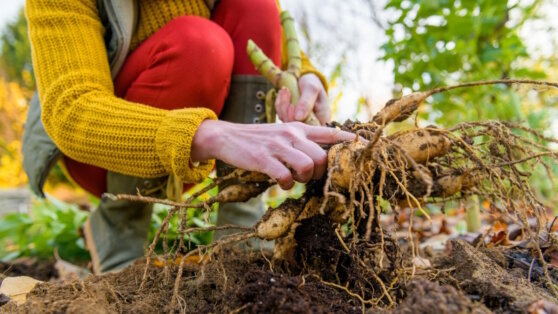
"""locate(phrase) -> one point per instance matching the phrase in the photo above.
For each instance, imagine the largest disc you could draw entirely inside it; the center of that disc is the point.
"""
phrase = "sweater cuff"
(174, 142)
(308, 68)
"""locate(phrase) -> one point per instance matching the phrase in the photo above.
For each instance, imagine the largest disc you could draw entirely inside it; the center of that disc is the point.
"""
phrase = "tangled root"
(491, 159)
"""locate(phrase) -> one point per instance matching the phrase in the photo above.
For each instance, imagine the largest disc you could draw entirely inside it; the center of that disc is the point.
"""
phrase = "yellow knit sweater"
(80, 112)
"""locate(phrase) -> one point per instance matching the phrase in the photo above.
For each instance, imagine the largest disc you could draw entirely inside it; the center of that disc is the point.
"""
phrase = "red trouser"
(189, 63)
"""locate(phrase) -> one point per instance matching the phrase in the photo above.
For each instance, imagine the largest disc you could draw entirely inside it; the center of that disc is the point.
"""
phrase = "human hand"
(286, 152)
(313, 97)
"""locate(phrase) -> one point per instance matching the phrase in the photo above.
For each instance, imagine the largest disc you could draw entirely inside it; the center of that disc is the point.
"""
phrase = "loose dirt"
(467, 280)
(40, 270)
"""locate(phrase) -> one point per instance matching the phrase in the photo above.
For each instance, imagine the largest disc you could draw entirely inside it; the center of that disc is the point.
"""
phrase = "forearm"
(80, 112)
(100, 129)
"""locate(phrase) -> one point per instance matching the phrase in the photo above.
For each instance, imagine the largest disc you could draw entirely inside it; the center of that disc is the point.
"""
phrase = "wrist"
(316, 75)
(203, 143)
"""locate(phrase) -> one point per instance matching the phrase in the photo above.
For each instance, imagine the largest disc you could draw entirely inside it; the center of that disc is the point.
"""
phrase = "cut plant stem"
(280, 79)
(271, 72)
(293, 47)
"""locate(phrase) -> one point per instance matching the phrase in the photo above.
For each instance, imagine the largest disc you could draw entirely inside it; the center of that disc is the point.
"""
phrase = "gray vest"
(40, 154)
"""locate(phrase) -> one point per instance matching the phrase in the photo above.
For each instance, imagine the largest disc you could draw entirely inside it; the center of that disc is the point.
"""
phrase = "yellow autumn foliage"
(13, 110)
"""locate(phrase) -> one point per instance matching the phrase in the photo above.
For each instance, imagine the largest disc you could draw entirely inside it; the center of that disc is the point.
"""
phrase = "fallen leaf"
(499, 226)
(500, 238)
(16, 288)
(444, 229)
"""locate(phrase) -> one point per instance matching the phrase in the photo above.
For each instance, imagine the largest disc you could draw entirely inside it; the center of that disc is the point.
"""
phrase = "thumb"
(306, 103)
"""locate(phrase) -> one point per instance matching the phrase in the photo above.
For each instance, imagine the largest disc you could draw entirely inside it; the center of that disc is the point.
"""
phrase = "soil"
(482, 274)
(40, 270)
(425, 296)
(467, 280)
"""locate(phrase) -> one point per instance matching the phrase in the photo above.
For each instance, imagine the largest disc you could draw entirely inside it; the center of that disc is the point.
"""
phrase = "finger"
(323, 135)
(308, 97)
(322, 109)
(277, 170)
(282, 103)
(283, 98)
(291, 110)
(301, 164)
(316, 153)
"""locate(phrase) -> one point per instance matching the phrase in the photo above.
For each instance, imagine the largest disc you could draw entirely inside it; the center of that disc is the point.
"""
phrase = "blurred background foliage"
(437, 43)
(428, 43)
(443, 42)
(16, 53)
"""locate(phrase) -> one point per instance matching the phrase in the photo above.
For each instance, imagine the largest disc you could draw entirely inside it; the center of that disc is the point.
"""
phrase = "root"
(410, 169)
(397, 110)
(235, 238)
(352, 294)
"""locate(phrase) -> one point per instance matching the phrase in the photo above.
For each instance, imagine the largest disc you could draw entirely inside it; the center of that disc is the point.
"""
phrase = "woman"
(175, 65)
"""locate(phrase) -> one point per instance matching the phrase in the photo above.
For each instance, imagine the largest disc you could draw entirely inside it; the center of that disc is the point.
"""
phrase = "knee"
(266, 11)
(202, 43)
(204, 52)
(258, 7)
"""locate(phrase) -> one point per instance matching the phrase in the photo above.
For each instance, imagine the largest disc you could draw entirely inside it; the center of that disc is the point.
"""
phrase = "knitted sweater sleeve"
(82, 115)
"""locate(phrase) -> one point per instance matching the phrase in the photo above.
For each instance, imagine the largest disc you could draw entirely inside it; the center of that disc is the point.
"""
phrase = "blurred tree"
(17, 85)
(15, 59)
(441, 42)
(13, 109)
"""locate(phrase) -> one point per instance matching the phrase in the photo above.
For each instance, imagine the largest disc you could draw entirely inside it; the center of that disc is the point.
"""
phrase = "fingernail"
(299, 115)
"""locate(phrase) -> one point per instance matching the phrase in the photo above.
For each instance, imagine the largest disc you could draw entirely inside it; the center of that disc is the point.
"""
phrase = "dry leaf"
(499, 226)
(500, 238)
(444, 229)
(16, 288)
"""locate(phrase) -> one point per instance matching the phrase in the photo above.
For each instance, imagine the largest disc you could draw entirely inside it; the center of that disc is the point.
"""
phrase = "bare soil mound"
(468, 280)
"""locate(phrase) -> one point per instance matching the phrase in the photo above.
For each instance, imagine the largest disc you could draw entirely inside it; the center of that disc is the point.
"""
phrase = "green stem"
(293, 47)
(473, 216)
(272, 73)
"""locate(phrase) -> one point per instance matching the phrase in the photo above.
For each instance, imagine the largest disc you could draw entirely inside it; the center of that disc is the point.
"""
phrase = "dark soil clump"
(429, 297)
(249, 283)
(265, 292)
(319, 249)
(242, 283)
(469, 280)
(483, 279)
(40, 270)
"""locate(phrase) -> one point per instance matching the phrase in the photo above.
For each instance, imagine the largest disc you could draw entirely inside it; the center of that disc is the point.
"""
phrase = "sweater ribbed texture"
(154, 14)
(79, 109)
(82, 115)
